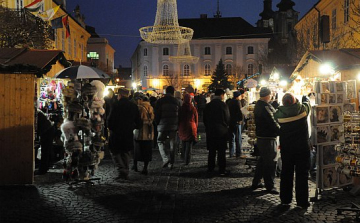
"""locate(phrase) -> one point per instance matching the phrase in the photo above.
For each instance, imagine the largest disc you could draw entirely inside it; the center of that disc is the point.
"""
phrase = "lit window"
(145, 52)
(228, 69)
(63, 41)
(166, 70)
(166, 51)
(228, 50)
(207, 70)
(250, 50)
(145, 71)
(250, 69)
(186, 70)
(207, 51)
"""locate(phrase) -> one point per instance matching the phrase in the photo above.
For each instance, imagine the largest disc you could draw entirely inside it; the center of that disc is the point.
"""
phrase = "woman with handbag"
(188, 123)
(144, 136)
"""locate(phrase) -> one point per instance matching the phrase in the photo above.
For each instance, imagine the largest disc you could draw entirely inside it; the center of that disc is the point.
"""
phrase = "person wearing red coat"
(188, 123)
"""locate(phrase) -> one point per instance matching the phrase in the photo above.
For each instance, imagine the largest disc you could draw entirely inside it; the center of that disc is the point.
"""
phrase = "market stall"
(83, 124)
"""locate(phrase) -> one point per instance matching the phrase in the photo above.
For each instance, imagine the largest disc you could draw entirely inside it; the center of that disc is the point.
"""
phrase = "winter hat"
(264, 91)
(236, 94)
(187, 99)
(242, 91)
(177, 94)
(288, 99)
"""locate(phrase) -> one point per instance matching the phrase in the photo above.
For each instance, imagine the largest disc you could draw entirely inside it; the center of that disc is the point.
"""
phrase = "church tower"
(267, 16)
(285, 20)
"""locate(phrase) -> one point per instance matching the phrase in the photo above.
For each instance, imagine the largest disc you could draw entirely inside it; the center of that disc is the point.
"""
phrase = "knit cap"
(264, 91)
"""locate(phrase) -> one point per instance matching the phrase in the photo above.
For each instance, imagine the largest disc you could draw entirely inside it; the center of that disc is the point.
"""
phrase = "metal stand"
(354, 208)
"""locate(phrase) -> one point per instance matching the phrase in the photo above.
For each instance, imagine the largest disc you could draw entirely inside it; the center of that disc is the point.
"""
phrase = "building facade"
(100, 52)
(73, 46)
(329, 24)
(242, 48)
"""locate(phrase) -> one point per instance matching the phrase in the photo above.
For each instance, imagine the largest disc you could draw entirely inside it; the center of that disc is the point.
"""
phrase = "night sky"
(119, 20)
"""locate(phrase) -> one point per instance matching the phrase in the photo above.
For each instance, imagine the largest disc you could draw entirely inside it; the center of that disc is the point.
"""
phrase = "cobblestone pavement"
(183, 194)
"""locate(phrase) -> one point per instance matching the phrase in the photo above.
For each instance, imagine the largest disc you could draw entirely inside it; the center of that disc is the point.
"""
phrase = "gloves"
(305, 99)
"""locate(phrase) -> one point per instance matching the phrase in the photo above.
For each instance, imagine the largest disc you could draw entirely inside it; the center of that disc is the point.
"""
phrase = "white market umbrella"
(82, 72)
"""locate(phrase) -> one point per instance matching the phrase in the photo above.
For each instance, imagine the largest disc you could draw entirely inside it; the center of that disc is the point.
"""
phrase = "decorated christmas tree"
(219, 78)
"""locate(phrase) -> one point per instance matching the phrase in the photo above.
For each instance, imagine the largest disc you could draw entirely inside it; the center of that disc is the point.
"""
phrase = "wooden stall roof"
(341, 58)
(25, 60)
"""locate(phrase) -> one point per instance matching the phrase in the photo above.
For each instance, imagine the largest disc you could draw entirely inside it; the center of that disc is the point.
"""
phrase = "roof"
(30, 60)
(224, 28)
(340, 58)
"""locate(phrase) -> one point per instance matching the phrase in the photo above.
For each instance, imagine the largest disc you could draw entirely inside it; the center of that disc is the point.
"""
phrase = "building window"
(166, 70)
(82, 51)
(70, 47)
(315, 40)
(250, 50)
(207, 51)
(228, 69)
(207, 70)
(145, 52)
(260, 68)
(56, 39)
(289, 27)
(63, 41)
(228, 50)
(166, 51)
(333, 19)
(186, 70)
(250, 69)
(145, 71)
(75, 53)
(19, 4)
(346, 10)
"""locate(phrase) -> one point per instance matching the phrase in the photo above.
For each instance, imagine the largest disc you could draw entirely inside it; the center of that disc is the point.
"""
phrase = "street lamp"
(134, 85)
(283, 83)
(263, 82)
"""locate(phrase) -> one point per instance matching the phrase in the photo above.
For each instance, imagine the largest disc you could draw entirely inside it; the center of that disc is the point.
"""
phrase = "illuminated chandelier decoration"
(166, 29)
(184, 54)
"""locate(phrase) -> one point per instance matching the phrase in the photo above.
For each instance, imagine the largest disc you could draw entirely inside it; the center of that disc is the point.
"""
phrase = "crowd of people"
(139, 123)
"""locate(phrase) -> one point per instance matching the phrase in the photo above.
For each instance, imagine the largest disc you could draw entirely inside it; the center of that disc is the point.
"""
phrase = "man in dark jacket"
(216, 121)
(124, 117)
(46, 132)
(267, 129)
(167, 119)
(236, 118)
(295, 149)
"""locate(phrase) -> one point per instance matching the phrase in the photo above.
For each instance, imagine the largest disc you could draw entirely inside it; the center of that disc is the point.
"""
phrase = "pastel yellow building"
(75, 45)
(329, 24)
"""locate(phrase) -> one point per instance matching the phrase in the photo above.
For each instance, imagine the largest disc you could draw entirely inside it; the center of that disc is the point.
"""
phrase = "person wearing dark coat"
(109, 99)
(188, 123)
(124, 117)
(216, 121)
(295, 149)
(167, 120)
(46, 132)
(236, 118)
(267, 130)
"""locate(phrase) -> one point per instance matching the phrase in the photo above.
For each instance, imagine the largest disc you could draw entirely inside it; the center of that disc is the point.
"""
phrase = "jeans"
(266, 165)
(187, 149)
(161, 143)
(300, 164)
(235, 139)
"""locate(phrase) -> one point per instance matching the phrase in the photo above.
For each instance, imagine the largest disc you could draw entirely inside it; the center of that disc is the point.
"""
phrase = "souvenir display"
(83, 129)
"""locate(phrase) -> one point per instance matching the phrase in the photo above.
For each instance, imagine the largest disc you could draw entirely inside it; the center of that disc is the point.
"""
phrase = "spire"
(268, 13)
(218, 13)
(285, 5)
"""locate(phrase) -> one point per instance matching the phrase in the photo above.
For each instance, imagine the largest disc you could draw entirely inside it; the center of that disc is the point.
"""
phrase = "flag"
(34, 6)
(56, 23)
(48, 14)
(65, 21)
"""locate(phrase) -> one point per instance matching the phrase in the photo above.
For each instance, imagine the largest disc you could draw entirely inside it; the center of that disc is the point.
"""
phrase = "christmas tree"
(219, 79)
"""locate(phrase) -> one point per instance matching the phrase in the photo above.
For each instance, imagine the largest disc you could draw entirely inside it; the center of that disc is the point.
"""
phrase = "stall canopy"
(22, 60)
